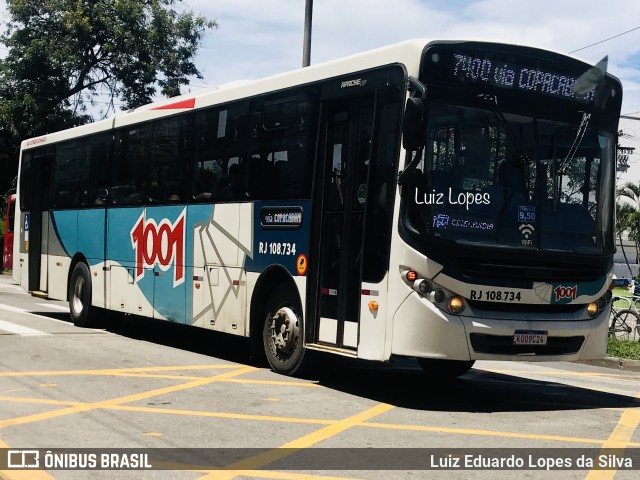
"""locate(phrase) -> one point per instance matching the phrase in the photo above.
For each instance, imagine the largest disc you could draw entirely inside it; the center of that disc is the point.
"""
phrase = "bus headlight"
(592, 309)
(437, 296)
(456, 305)
(422, 286)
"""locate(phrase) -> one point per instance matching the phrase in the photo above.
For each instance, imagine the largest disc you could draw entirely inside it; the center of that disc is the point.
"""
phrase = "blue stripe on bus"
(83, 231)
(80, 231)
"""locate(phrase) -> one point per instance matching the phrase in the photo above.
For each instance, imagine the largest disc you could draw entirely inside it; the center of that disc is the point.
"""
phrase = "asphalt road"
(139, 384)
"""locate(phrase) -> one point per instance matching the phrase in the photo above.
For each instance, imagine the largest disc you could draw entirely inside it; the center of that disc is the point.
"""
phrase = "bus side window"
(94, 183)
(220, 134)
(131, 163)
(69, 162)
(282, 146)
(170, 151)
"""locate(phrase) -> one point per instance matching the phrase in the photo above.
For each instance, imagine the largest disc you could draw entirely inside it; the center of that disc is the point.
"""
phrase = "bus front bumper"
(420, 329)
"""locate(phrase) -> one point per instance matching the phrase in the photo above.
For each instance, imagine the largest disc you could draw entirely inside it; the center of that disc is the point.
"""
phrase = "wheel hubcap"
(284, 331)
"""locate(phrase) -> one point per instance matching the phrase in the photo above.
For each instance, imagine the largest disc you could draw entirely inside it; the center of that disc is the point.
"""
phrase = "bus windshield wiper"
(492, 102)
(582, 128)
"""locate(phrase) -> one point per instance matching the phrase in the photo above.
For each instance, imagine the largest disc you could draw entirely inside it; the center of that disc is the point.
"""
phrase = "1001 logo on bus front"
(162, 244)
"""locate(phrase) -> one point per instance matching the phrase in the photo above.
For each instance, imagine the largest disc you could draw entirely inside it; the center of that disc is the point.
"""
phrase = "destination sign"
(281, 217)
(505, 74)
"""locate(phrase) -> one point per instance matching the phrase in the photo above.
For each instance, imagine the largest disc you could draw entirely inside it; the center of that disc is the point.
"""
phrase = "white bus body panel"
(220, 246)
(373, 323)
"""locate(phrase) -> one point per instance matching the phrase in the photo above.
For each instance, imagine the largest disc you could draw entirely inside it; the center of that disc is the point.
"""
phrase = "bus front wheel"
(444, 369)
(282, 333)
(80, 296)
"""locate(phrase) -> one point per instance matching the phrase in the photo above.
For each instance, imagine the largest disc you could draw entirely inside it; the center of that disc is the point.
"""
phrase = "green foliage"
(63, 53)
(623, 349)
(628, 213)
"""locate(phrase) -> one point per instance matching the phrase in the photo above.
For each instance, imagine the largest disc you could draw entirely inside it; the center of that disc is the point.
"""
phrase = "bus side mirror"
(413, 131)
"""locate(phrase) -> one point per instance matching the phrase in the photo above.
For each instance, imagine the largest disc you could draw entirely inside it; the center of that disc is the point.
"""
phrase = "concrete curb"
(615, 363)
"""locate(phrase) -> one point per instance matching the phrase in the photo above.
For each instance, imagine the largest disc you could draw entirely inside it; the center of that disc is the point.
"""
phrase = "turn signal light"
(373, 305)
(411, 276)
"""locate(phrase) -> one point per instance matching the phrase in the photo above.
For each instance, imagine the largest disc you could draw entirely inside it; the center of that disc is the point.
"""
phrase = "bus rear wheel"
(80, 296)
(438, 369)
(283, 330)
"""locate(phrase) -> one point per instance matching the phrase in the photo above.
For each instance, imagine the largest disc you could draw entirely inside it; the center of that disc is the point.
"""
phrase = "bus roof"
(407, 53)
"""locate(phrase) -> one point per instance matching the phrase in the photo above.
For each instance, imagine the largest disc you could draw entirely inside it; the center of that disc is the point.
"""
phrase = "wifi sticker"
(527, 230)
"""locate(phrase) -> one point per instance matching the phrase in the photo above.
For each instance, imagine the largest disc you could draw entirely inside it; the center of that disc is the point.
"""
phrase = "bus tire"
(283, 330)
(439, 369)
(80, 296)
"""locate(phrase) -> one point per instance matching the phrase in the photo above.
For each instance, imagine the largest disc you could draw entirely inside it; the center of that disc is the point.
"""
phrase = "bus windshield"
(513, 180)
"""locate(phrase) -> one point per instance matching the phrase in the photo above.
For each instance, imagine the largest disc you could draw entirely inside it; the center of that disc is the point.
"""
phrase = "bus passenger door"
(346, 136)
(37, 223)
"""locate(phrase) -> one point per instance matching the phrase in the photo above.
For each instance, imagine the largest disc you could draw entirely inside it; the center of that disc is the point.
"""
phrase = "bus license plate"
(529, 337)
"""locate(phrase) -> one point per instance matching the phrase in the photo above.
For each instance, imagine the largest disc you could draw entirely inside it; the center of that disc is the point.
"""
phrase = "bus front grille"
(503, 345)
(525, 307)
(525, 271)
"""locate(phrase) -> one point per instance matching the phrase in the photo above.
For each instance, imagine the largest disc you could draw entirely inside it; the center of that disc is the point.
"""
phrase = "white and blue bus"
(444, 200)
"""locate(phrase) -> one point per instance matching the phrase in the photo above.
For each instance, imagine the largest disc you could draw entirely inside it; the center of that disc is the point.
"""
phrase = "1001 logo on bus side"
(162, 244)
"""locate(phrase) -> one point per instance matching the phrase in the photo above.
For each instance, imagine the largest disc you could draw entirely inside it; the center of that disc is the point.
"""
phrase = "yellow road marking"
(273, 382)
(153, 375)
(115, 371)
(48, 385)
(173, 377)
(313, 421)
(488, 433)
(44, 401)
(16, 390)
(619, 438)
(139, 372)
(152, 434)
(258, 461)
(249, 473)
(23, 474)
(233, 416)
(287, 475)
(126, 399)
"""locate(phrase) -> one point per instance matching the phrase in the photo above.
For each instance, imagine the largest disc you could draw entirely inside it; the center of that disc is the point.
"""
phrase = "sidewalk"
(615, 363)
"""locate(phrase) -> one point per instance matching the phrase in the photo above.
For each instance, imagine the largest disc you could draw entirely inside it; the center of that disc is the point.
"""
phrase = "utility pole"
(306, 45)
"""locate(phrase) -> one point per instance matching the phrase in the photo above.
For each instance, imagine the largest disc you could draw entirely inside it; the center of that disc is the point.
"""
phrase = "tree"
(63, 53)
(628, 213)
(624, 212)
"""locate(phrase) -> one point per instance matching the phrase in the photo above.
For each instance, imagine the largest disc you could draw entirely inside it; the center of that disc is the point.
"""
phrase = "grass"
(616, 347)
(623, 349)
